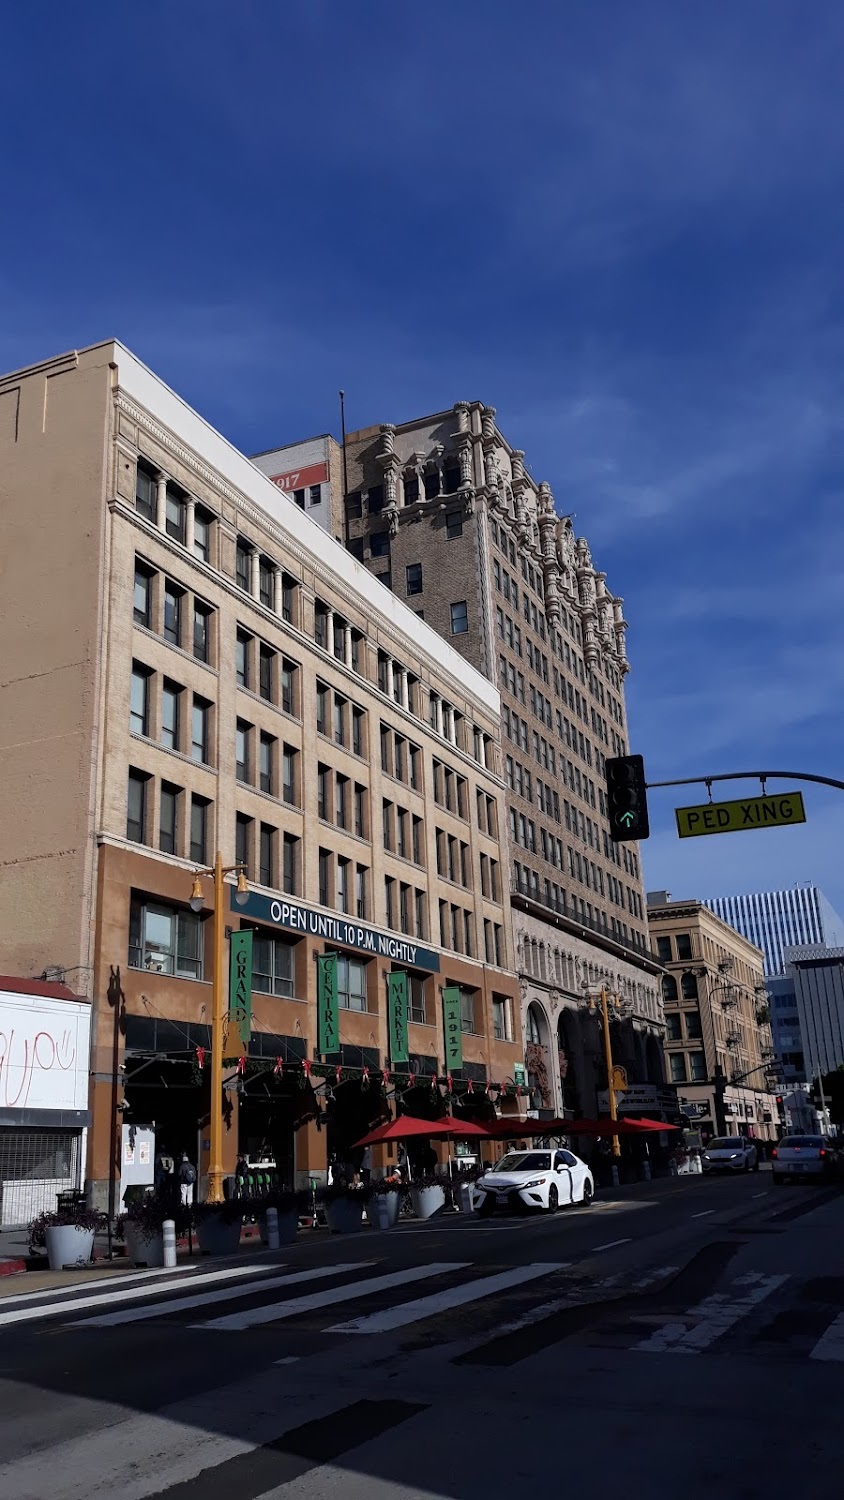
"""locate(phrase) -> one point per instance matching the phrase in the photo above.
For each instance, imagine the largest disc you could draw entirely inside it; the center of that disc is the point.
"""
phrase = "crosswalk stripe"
(117, 1278)
(456, 1296)
(716, 1315)
(831, 1345)
(226, 1294)
(133, 1293)
(274, 1311)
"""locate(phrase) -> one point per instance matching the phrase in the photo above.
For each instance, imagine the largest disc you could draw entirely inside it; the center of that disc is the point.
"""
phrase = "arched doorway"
(538, 1058)
(568, 1044)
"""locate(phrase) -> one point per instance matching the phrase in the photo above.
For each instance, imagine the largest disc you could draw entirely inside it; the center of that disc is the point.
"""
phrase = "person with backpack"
(187, 1179)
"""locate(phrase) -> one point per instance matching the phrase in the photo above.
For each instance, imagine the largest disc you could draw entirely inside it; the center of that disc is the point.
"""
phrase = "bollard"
(272, 1229)
(168, 1229)
(615, 1177)
(646, 1171)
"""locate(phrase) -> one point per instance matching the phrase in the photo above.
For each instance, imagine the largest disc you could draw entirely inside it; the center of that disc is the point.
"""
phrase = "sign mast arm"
(751, 776)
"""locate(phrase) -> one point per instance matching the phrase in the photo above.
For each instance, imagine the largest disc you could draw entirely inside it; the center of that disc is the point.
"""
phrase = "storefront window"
(165, 940)
(351, 983)
(272, 966)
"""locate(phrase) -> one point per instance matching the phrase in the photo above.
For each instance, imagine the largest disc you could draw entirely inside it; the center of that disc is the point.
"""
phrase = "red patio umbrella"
(404, 1127)
(505, 1129)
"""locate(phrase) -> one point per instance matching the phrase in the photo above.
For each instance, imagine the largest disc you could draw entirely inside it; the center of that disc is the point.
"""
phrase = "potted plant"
(289, 1206)
(344, 1204)
(218, 1225)
(142, 1228)
(385, 1204)
(67, 1234)
(427, 1194)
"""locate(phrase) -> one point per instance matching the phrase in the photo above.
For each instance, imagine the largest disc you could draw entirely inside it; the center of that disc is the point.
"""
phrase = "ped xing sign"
(734, 817)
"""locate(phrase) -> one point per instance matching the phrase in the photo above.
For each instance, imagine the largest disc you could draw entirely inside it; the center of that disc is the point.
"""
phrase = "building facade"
(445, 513)
(817, 974)
(775, 920)
(198, 667)
(716, 1017)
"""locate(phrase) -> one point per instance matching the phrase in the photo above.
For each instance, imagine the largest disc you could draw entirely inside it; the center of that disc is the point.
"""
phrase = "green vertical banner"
(397, 1016)
(240, 993)
(328, 1019)
(451, 1028)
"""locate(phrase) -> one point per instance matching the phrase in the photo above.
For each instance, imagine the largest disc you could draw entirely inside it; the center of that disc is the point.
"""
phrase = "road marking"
(227, 1294)
(274, 1311)
(703, 1213)
(715, 1316)
(761, 1195)
(456, 1296)
(610, 1245)
(132, 1293)
(831, 1345)
(289, 1359)
(117, 1278)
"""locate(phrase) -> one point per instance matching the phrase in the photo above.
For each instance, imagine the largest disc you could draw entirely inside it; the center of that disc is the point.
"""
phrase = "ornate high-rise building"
(445, 512)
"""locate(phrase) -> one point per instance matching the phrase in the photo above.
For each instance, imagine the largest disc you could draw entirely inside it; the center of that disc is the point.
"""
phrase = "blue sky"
(619, 223)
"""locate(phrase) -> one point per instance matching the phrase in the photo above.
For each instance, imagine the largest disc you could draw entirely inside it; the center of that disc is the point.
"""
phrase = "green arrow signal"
(627, 818)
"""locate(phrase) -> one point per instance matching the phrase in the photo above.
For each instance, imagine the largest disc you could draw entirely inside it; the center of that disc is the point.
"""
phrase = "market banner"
(451, 1028)
(239, 1022)
(328, 1019)
(397, 1010)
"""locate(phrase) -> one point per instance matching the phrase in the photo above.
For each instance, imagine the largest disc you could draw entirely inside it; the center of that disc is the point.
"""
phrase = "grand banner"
(239, 1019)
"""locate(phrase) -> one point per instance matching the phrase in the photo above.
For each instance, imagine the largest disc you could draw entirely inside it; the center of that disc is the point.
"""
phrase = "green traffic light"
(627, 818)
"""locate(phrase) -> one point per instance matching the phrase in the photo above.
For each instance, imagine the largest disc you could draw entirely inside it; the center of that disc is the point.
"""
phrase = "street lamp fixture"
(197, 900)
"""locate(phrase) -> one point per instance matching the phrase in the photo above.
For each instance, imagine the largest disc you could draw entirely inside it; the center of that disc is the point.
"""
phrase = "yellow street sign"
(619, 1079)
(734, 817)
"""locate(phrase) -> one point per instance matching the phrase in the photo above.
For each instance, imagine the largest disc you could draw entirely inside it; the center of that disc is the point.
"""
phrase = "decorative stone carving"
(488, 423)
(461, 411)
(388, 438)
(468, 498)
(465, 457)
(517, 464)
(391, 515)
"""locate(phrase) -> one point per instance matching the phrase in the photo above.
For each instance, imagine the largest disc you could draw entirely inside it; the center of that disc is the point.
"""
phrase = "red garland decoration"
(200, 1057)
(487, 1088)
(279, 1065)
(241, 1066)
(450, 1084)
(471, 1088)
(364, 1083)
(306, 1068)
(385, 1079)
(434, 1084)
(337, 1073)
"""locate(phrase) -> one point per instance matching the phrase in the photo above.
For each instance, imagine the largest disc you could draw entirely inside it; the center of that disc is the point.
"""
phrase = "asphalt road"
(687, 1332)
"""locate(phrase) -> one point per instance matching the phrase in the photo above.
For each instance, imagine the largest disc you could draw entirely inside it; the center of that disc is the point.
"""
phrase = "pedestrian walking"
(187, 1180)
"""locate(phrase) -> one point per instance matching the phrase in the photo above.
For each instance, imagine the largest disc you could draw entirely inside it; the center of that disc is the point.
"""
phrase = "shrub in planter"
(142, 1228)
(67, 1234)
(344, 1204)
(385, 1204)
(290, 1206)
(218, 1225)
(428, 1194)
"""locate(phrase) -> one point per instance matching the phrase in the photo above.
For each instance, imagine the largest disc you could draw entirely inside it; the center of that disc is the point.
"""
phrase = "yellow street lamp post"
(604, 999)
(218, 1007)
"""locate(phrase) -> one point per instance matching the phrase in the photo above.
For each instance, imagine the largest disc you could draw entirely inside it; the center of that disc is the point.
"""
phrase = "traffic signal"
(627, 798)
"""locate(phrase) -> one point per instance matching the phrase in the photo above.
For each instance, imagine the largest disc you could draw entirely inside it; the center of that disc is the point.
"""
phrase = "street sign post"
(734, 817)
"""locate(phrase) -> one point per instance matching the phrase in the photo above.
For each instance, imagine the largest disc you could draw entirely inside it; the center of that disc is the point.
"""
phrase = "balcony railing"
(564, 908)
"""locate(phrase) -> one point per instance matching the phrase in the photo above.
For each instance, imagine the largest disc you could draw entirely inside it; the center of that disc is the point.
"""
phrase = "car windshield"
(802, 1140)
(728, 1143)
(525, 1161)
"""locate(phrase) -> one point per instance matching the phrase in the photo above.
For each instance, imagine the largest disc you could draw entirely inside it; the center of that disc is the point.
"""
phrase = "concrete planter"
(218, 1236)
(427, 1201)
(68, 1245)
(144, 1250)
(383, 1210)
(344, 1215)
(288, 1226)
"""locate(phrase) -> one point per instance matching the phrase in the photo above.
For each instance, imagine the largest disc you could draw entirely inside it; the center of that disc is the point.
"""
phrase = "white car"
(534, 1179)
(731, 1153)
(803, 1156)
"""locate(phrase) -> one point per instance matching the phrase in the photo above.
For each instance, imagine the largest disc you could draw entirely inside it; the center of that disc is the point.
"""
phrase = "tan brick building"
(717, 1017)
(191, 664)
(444, 511)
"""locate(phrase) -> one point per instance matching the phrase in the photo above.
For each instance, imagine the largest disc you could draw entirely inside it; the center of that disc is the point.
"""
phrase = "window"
(375, 499)
(404, 908)
(266, 855)
(165, 939)
(265, 583)
(411, 489)
(357, 730)
(387, 824)
(242, 735)
(467, 1010)
(360, 890)
(290, 856)
(143, 599)
(693, 1026)
(413, 573)
(419, 905)
(289, 758)
(453, 525)
(673, 1032)
(266, 664)
(175, 514)
(697, 1064)
(339, 720)
(379, 544)
(168, 817)
(669, 983)
(416, 854)
(243, 566)
(451, 479)
(136, 807)
(502, 1027)
(663, 949)
(354, 506)
(299, 498)
(459, 618)
(201, 631)
(341, 801)
(688, 987)
(199, 730)
(241, 658)
(343, 890)
(139, 700)
(145, 492)
(289, 676)
(202, 523)
(288, 592)
(401, 832)
(199, 830)
(242, 839)
(272, 965)
(321, 613)
(173, 596)
(324, 877)
(321, 708)
(170, 700)
(360, 811)
(684, 945)
(677, 1066)
(267, 755)
(351, 983)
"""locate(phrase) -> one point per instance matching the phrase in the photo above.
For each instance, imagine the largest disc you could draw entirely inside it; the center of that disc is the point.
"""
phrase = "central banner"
(328, 1019)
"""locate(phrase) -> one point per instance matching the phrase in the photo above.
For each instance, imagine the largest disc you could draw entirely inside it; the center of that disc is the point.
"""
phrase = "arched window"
(669, 988)
(533, 1032)
(689, 987)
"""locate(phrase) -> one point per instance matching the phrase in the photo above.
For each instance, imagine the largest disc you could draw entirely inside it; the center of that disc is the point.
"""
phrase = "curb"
(12, 1267)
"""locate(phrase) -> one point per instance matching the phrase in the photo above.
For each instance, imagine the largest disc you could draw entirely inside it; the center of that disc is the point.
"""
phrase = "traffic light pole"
(762, 776)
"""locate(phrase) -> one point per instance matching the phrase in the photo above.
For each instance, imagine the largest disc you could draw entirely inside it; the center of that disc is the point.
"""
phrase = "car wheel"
(553, 1198)
(588, 1193)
